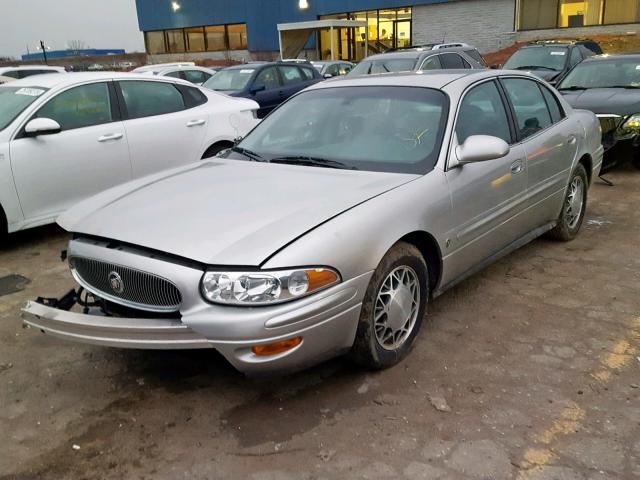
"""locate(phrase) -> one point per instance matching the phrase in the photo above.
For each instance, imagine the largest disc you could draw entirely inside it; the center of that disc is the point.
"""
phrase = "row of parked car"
(325, 228)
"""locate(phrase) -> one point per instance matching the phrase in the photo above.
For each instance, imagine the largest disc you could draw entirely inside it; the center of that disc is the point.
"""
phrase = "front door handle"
(110, 136)
(517, 167)
(195, 123)
(572, 140)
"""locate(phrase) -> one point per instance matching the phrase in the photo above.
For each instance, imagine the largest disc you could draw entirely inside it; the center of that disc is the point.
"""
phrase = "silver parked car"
(331, 225)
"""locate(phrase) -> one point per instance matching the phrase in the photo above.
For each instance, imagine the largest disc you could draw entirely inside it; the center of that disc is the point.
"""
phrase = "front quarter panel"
(355, 241)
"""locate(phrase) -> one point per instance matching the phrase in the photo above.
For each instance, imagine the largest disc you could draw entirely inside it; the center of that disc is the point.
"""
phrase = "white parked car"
(28, 71)
(66, 137)
(195, 75)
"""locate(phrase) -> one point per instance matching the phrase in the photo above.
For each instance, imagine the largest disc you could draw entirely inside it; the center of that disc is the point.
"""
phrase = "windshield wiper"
(573, 87)
(628, 87)
(249, 154)
(535, 67)
(312, 162)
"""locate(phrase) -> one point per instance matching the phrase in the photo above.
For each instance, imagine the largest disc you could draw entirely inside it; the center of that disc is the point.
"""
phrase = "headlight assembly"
(265, 287)
(632, 123)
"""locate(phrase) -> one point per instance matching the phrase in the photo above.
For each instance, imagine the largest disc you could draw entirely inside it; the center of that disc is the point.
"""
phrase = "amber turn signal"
(276, 347)
(320, 277)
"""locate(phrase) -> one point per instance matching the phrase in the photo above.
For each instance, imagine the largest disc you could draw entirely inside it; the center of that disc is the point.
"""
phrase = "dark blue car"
(269, 83)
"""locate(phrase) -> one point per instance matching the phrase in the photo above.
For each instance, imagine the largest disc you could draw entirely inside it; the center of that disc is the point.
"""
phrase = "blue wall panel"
(261, 16)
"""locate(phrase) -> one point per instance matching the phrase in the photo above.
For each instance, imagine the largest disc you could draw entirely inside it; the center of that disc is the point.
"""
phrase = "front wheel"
(393, 308)
(574, 207)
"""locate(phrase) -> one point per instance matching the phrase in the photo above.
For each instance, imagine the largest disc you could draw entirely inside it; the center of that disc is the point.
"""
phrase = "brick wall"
(486, 24)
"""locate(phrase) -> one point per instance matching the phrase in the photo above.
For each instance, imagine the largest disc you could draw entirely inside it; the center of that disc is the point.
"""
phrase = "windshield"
(233, 79)
(384, 129)
(386, 65)
(622, 72)
(549, 58)
(13, 100)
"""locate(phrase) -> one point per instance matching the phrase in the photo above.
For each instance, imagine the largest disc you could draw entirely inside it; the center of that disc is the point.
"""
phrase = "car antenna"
(444, 37)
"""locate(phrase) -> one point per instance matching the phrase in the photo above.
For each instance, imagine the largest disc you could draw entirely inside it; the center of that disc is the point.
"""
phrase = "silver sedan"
(329, 228)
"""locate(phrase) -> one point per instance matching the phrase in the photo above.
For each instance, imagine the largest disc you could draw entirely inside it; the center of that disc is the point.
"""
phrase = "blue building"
(72, 53)
(248, 28)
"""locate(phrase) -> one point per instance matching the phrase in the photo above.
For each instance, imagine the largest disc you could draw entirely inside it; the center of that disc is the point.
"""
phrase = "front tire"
(393, 308)
(574, 207)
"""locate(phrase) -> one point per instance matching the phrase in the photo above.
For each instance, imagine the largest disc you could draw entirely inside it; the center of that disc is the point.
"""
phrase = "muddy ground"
(528, 370)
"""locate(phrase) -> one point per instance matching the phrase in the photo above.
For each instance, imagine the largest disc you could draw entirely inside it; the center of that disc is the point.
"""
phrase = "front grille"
(126, 286)
(609, 123)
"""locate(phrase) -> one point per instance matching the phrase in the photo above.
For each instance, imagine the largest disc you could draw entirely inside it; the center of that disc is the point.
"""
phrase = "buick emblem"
(116, 283)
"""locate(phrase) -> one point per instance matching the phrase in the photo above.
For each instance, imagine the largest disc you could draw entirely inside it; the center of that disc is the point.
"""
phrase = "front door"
(487, 197)
(53, 172)
(269, 92)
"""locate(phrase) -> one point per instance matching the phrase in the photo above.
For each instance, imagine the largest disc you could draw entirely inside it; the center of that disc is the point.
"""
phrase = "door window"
(451, 61)
(307, 72)
(482, 112)
(79, 107)
(290, 75)
(12, 74)
(529, 105)
(333, 70)
(175, 74)
(345, 68)
(552, 103)
(268, 77)
(431, 63)
(145, 99)
(196, 76)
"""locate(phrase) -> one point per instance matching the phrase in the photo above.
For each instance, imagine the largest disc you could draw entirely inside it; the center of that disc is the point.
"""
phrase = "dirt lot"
(529, 370)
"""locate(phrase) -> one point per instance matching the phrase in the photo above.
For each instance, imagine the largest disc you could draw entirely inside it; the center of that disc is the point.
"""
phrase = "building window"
(215, 38)
(154, 42)
(541, 14)
(210, 38)
(195, 39)
(389, 28)
(237, 36)
(175, 40)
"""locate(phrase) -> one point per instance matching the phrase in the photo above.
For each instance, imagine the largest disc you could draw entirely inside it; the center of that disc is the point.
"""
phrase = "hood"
(616, 101)
(225, 212)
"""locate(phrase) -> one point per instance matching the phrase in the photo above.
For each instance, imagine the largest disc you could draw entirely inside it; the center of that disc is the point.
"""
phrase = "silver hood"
(225, 212)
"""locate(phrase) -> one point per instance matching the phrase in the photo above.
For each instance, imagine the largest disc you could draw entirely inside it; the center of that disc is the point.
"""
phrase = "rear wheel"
(393, 308)
(573, 208)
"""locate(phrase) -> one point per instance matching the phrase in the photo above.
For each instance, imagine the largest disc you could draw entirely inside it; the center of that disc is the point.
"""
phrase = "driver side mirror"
(41, 126)
(481, 148)
(327, 75)
(258, 88)
(496, 66)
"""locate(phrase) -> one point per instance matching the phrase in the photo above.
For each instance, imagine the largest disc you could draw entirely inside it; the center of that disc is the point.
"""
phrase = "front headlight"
(265, 287)
(632, 123)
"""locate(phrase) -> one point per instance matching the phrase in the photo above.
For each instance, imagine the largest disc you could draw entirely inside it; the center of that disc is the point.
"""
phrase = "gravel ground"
(528, 370)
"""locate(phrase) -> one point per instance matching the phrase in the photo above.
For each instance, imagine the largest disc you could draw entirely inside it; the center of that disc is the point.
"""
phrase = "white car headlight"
(265, 288)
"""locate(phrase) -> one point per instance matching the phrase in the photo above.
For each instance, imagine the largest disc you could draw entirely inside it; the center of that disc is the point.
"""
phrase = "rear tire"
(574, 207)
(393, 309)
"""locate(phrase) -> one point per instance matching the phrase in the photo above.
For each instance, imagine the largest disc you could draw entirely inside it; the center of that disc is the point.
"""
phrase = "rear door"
(164, 126)
(268, 91)
(487, 197)
(292, 80)
(550, 141)
(53, 172)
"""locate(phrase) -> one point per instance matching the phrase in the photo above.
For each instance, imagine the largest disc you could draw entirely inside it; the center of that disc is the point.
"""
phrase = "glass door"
(401, 33)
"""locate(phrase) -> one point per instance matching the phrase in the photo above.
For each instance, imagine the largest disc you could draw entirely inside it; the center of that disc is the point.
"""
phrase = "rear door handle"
(195, 123)
(110, 136)
(572, 140)
(517, 167)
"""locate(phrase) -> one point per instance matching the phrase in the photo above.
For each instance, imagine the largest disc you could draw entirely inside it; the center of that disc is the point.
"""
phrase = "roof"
(32, 67)
(54, 80)
(256, 65)
(428, 79)
(619, 56)
(338, 23)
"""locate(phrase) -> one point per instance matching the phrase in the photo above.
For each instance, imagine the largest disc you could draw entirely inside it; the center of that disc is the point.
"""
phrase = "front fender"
(355, 241)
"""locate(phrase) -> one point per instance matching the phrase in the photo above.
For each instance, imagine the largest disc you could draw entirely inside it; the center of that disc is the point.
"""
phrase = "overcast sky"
(98, 23)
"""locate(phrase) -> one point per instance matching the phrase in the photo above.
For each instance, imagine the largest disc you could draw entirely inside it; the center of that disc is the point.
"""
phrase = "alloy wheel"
(575, 202)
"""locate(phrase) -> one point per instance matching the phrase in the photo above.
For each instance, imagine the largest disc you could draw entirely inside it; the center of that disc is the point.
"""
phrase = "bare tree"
(76, 46)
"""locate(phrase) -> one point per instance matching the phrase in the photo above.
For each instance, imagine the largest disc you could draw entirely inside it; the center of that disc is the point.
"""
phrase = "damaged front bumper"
(160, 334)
